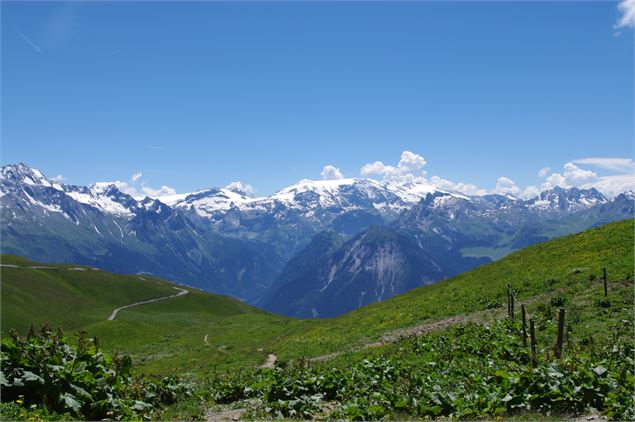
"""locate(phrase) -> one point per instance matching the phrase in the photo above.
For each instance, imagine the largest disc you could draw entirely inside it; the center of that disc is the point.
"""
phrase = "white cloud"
(620, 165)
(144, 191)
(154, 193)
(544, 172)
(408, 169)
(136, 192)
(248, 189)
(573, 176)
(377, 167)
(614, 185)
(529, 192)
(59, 178)
(627, 9)
(464, 188)
(506, 186)
(330, 172)
(411, 162)
(125, 188)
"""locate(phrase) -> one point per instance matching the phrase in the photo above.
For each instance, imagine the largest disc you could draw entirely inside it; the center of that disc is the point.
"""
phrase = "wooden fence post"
(509, 307)
(523, 317)
(532, 339)
(606, 293)
(558, 348)
(511, 296)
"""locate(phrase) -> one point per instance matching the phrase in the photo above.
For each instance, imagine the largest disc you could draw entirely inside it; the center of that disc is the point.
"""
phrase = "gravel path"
(114, 313)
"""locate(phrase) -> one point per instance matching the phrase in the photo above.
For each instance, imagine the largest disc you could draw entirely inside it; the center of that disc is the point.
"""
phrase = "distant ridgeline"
(317, 248)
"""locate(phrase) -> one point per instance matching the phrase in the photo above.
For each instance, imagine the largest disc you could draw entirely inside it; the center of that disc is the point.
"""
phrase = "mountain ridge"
(242, 249)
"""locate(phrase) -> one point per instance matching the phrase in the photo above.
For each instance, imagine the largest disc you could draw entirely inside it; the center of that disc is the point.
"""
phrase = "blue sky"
(201, 94)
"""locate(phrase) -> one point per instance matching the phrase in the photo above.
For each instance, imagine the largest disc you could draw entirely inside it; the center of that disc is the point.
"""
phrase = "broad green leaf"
(70, 402)
(599, 370)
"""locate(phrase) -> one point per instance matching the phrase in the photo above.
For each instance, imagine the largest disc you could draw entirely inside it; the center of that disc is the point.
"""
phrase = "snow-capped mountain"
(307, 196)
(289, 218)
(439, 237)
(102, 226)
(227, 241)
(560, 199)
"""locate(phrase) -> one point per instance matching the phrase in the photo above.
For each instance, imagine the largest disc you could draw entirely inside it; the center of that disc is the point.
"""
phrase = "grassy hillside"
(169, 336)
(539, 269)
(222, 340)
(466, 370)
(165, 336)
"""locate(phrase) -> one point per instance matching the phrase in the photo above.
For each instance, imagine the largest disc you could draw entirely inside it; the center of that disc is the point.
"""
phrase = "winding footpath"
(180, 293)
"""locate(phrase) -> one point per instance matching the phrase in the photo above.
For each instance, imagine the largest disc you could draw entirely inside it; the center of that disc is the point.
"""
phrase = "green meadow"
(218, 342)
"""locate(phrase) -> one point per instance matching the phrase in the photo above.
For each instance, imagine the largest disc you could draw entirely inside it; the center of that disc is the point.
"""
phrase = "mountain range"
(317, 248)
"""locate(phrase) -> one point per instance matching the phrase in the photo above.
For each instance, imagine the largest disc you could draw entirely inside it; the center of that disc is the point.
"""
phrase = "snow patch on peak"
(172, 200)
(27, 175)
(559, 198)
(317, 186)
(208, 201)
(629, 195)
(104, 196)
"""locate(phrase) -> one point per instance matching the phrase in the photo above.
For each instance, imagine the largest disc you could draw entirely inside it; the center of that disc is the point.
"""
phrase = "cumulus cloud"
(506, 186)
(610, 185)
(544, 172)
(464, 188)
(330, 172)
(248, 189)
(614, 185)
(59, 178)
(124, 187)
(572, 176)
(620, 165)
(136, 176)
(408, 169)
(529, 192)
(142, 191)
(627, 10)
(377, 167)
(154, 193)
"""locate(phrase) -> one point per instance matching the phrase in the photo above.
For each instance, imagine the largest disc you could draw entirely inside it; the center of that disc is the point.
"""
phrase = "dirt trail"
(271, 360)
(225, 415)
(416, 330)
(114, 313)
(488, 315)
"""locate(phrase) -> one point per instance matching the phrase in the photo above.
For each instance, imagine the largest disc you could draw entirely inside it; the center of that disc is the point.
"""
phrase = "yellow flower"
(18, 401)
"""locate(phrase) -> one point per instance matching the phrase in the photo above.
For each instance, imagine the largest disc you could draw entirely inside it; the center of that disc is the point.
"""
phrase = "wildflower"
(19, 401)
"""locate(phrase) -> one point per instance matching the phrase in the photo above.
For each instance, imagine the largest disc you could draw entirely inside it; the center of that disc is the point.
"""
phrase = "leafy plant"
(472, 372)
(43, 370)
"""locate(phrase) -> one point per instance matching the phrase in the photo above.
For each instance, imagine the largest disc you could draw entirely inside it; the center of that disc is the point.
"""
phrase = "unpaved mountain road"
(113, 315)
(180, 293)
